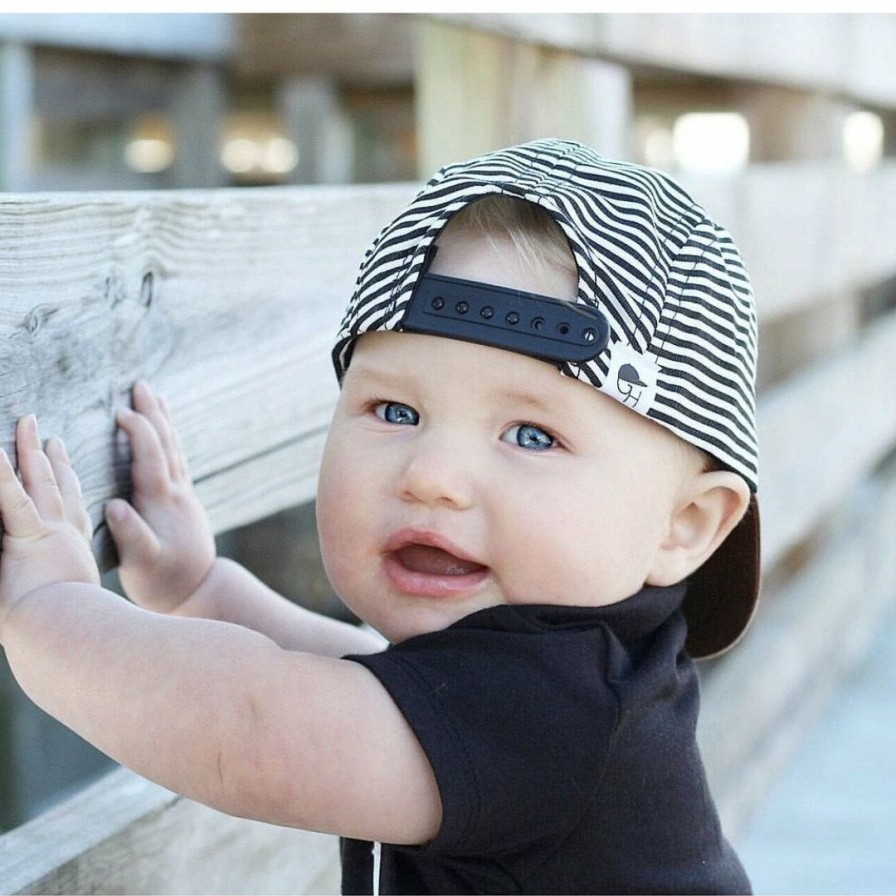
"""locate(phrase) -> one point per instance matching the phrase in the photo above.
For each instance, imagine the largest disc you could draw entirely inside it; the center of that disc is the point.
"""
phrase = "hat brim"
(722, 594)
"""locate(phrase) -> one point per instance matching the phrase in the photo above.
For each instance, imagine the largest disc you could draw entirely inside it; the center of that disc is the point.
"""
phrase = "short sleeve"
(516, 720)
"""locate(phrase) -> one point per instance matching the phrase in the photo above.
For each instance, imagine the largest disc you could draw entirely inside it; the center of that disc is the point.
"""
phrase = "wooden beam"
(776, 47)
(16, 99)
(357, 48)
(508, 91)
(808, 635)
(227, 301)
(178, 35)
(819, 432)
(124, 834)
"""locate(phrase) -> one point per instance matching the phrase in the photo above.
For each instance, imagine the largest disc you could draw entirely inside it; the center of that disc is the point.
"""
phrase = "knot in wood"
(146, 289)
(36, 318)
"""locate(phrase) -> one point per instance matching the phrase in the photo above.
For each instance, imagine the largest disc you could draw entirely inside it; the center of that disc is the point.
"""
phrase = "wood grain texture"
(124, 835)
(810, 633)
(777, 47)
(226, 301)
(821, 432)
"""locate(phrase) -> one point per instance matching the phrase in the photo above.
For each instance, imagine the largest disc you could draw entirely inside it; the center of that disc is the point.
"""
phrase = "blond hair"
(531, 230)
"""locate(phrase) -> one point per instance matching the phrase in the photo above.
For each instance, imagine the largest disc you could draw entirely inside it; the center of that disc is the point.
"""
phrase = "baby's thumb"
(135, 541)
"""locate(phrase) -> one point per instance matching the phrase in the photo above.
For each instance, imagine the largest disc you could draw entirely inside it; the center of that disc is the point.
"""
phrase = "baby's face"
(458, 477)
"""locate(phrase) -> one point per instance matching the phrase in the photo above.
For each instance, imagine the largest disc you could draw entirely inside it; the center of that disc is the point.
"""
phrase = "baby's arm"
(167, 549)
(205, 708)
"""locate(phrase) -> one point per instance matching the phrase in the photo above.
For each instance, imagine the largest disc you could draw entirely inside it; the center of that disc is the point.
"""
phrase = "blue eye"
(530, 437)
(395, 412)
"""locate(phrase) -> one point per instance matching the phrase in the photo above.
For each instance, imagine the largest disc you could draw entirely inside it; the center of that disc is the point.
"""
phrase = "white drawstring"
(377, 849)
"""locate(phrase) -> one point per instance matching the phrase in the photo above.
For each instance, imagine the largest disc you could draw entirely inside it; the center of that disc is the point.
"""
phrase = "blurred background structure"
(784, 124)
(130, 101)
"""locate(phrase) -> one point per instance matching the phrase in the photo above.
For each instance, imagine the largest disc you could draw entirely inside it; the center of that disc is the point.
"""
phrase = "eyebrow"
(518, 397)
(383, 378)
(378, 373)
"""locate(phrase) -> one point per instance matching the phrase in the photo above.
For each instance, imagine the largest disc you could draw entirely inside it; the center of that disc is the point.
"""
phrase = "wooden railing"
(227, 302)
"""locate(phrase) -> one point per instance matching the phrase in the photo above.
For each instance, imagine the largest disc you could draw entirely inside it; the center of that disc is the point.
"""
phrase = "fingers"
(20, 516)
(69, 487)
(136, 542)
(157, 458)
(155, 409)
(150, 472)
(46, 487)
(36, 471)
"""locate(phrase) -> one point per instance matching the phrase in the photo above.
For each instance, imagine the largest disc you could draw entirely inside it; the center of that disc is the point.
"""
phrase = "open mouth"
(432, 561)
(431, 570)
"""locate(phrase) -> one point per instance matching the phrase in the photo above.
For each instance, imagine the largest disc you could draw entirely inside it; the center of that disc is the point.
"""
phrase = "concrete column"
(605, 107)
(790, 124)
(16, 107)
(198, 110)
(314, 119)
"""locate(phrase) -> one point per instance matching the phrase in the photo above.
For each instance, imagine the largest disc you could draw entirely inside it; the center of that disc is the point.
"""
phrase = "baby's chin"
(425, 620)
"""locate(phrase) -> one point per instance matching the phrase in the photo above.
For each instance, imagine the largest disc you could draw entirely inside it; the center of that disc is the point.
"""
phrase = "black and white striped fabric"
(683, 343)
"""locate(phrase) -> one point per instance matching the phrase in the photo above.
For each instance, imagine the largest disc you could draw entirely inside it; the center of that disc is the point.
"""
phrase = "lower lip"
(420, 584)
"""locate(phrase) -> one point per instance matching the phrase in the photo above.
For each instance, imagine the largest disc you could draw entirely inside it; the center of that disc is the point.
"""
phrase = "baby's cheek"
(531, 565)
(333, 525)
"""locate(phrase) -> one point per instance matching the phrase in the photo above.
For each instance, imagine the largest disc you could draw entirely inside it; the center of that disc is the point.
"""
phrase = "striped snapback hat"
(677, 322)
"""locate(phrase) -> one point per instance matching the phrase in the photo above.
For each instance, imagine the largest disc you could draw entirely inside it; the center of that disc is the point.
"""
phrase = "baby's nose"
(439, 471)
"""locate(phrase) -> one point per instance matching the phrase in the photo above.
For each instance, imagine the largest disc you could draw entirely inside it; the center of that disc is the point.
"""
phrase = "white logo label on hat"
(631, 379)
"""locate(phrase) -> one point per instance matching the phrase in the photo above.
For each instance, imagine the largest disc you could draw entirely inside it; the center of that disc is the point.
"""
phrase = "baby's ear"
(712, 505)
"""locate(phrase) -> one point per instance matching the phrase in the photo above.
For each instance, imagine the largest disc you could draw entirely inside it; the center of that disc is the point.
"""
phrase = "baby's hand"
(165, 543)
(47, 531)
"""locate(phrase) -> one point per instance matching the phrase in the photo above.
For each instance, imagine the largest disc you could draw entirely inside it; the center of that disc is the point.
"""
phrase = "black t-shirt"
(563, 744)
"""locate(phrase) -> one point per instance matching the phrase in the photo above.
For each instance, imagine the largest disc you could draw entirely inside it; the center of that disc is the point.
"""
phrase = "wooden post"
(478, 91)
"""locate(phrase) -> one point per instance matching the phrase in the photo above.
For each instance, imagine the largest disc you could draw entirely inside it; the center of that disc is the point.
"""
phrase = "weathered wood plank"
(565, 93)
(369, 49)
(835, 234)
(775, 47)
(820, 432)
(178, 35)
(226, 300)
(126, 835)
(807, 636)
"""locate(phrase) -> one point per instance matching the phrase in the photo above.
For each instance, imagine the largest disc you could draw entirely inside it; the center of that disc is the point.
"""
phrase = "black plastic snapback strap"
(540, 326)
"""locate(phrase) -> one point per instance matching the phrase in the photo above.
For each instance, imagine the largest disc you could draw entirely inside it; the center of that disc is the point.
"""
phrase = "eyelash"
(520, 427)
(379, 407)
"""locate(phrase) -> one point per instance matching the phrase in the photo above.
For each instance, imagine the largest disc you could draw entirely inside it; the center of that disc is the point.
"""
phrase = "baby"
(538, 486)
